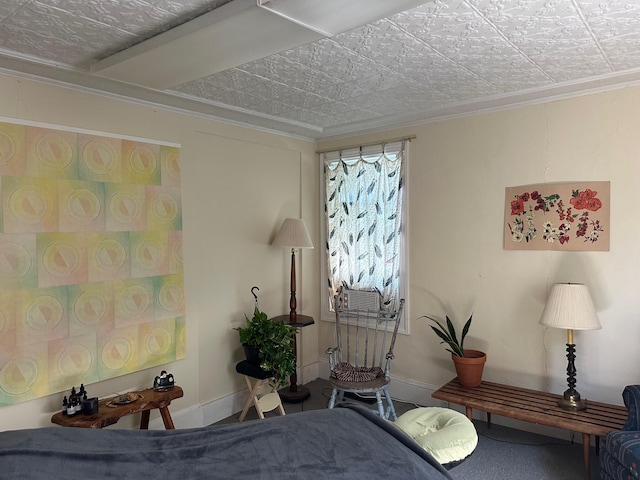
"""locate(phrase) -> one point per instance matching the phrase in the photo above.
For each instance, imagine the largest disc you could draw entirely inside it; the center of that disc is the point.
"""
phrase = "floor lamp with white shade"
(294, 234)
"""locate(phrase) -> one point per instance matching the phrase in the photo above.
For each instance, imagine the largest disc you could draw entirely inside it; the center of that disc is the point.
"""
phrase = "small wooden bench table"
(536, 407)
(108, 414)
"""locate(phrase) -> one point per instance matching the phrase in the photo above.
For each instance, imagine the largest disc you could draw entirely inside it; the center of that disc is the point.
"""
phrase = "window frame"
(327, 313)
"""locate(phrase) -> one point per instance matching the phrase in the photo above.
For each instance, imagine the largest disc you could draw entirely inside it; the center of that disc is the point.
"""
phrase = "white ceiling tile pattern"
(442, 58)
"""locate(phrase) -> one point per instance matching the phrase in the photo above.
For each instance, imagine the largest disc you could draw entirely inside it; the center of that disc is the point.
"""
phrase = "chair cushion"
(624, 446)
(611, 469)
(349, 373)
(446, 434)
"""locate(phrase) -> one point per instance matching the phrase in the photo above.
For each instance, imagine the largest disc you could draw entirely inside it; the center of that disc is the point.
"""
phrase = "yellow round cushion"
(446, 434)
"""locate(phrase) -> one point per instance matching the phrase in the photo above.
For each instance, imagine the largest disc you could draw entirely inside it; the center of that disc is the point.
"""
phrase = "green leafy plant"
(448, 334)
(274, 341)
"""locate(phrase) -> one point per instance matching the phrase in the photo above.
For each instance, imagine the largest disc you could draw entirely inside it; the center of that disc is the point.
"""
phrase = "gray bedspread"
(343, 443)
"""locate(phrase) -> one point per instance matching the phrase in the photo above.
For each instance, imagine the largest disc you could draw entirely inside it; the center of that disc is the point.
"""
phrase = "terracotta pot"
(469, 368)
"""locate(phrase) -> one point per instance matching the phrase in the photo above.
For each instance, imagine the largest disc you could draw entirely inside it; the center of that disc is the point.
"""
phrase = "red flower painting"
(561, 215)
(517, 206)
(586, 200)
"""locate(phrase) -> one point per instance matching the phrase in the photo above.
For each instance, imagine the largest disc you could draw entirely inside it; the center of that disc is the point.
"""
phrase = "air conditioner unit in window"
(361, 299)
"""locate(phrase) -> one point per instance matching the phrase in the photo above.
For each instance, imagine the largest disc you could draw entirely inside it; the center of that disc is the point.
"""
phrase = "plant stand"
(262, 395)
(295, 393)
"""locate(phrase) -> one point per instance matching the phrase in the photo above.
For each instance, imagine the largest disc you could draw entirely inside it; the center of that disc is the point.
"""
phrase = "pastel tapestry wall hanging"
(91, 271)
(560, 216)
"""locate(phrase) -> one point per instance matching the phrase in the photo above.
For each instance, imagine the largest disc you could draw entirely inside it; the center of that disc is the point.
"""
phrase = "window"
(364, 194)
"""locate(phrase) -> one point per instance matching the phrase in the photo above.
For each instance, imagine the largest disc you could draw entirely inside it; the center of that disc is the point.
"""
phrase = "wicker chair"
(361, 362)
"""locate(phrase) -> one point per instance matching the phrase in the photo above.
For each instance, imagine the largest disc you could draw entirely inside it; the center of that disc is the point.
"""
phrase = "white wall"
(233, 205)
(457, 175)
(238, 185)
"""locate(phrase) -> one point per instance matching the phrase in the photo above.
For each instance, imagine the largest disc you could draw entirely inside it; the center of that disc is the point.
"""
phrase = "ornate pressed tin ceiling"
(440, 59)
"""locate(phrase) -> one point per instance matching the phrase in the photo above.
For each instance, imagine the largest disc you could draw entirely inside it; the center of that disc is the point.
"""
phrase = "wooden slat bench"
(536, 407)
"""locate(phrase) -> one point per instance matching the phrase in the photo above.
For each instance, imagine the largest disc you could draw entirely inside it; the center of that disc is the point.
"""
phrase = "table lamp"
(569, 306)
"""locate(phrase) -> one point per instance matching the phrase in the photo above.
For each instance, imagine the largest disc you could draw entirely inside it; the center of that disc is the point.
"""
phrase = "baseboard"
(308, 373)
(187, 418)
(419, 394)
(402, 389)
(212, 412)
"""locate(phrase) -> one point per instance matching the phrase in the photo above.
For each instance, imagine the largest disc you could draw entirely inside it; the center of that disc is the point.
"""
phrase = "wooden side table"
(108, 414)
(294, 393)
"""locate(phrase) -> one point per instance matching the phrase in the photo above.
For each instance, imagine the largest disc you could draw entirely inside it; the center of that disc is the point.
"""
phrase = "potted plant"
(269, 344)
(469, 363)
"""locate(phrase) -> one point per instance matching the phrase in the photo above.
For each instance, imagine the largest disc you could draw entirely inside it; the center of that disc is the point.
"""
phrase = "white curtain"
(363, 208)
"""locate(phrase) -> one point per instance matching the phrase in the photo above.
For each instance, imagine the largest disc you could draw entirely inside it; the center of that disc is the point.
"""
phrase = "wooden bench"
(108, 414)
(536, 407)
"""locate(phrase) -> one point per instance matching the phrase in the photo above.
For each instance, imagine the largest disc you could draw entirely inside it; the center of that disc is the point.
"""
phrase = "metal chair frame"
(365, 339)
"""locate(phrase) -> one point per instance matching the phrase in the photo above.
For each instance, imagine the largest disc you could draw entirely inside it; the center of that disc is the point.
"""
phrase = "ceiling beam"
(238, 32)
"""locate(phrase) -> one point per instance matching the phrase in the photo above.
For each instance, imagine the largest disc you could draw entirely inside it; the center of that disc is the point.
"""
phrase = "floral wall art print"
(91, 271)
(560, 216)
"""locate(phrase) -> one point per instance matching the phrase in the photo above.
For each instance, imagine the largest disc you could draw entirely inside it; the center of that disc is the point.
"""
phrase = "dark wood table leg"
(294, 393)
(488, 419)
(469, 412)
(144, 420)
(166, 418)
(586, 446)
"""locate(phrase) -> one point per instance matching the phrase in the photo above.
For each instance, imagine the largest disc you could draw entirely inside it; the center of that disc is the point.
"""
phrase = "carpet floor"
(502, 453)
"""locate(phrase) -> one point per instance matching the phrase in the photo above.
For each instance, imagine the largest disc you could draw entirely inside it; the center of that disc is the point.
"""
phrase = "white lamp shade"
(569, 306)
(293, 234)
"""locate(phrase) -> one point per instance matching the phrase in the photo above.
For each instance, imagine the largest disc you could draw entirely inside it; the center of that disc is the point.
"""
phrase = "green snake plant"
(448, 334)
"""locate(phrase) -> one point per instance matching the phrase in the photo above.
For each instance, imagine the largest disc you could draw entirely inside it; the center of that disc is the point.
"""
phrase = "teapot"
(164, 381)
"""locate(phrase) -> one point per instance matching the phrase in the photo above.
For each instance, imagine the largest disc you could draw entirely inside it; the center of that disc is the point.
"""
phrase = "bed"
(349, 442)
